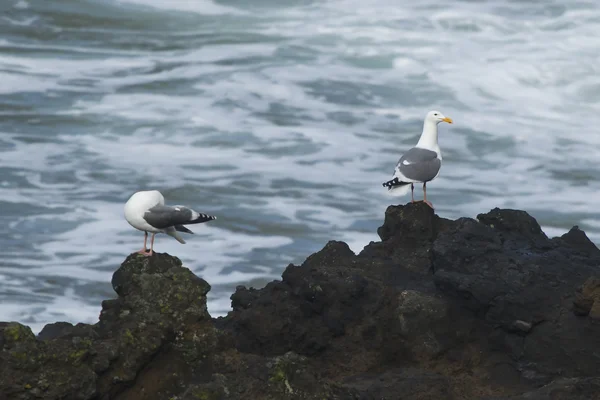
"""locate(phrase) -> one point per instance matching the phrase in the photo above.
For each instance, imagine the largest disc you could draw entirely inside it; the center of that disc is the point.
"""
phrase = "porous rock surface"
(488, 309)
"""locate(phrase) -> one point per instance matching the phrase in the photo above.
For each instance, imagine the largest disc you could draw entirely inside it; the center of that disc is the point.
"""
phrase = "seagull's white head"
(437, 117)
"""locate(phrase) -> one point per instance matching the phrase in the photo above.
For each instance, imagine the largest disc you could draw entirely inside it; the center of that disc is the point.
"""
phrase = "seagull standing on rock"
(420, 164)
(146, 211)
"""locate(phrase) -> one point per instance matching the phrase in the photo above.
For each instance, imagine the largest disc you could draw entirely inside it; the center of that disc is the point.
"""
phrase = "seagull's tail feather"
(181, 228)
(173, 233)
(198, 218)
(396, 187)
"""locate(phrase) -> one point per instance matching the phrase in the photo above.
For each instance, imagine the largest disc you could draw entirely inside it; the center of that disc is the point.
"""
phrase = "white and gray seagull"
(420, 164)
(146, 211)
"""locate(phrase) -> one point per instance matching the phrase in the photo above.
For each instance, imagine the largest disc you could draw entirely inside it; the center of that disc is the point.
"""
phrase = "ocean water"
(281, 117)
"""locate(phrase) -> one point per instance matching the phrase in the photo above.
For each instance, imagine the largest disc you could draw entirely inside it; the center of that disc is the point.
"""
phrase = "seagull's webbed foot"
(425, 195)
(144, 250)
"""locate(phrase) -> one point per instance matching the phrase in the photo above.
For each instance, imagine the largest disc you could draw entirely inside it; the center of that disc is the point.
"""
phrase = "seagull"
(146, 211)
(420, 164)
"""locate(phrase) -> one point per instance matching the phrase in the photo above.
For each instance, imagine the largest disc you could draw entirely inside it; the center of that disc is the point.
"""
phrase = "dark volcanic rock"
(318, 306)
(468, 309)
(562, 389)
(513, 277)
(407, 384)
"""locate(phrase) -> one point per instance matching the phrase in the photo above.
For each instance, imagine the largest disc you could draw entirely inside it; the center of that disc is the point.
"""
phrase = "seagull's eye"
(435, 114)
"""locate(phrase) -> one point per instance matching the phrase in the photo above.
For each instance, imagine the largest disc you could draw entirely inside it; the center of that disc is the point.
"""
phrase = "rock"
(425, 323)
(562, 389)
(582, 305)
(13, 334)
(595, 310)
(66, 330)
(587, 300)
(512, 272)
(513, 222)
(407, 384)
(313, 304)
(158, 300)
(31, 369)
(577, 239)
(487, 309)
(406, 237)
(521, 326)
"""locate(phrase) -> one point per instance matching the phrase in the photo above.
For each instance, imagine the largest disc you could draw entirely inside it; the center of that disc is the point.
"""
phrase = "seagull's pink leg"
(144, 249)
(151, 251)
(412, 192)
(425, 195)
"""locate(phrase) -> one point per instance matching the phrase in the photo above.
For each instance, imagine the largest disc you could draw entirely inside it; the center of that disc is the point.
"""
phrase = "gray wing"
(162, 217)
(419, 165)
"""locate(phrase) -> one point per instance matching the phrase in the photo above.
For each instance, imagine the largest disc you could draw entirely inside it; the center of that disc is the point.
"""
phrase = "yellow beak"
(448, 120)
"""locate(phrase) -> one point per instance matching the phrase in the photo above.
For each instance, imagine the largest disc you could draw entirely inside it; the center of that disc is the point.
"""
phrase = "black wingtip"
(394, 183)
(390, 183)
(203, 218)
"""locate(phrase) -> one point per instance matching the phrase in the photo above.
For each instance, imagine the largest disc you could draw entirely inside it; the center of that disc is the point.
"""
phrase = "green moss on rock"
(15, 332)
(129, 337)
(78, 355)
(283, 370)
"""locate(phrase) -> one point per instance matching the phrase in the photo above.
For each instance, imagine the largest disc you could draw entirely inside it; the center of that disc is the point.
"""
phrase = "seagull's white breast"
(138, 204)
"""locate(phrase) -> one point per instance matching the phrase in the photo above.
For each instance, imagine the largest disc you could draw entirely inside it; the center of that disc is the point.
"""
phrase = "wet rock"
(486, 308)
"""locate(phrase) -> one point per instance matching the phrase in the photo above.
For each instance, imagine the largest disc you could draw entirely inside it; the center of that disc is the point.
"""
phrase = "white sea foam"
(21, 4)
(205, 7)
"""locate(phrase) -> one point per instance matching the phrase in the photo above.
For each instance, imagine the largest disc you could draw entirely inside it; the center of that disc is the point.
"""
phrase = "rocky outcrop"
(468, 309)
